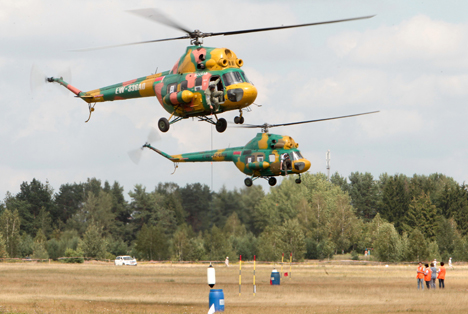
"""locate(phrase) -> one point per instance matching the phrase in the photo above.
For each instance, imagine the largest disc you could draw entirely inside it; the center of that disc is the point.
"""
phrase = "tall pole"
(254, 286)
(282, 260)
(328, 164)
(240, 271)
(290, 262)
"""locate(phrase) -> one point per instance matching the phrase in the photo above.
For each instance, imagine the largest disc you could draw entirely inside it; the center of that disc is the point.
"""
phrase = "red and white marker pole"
(240, 271)
(290, 262)
(254, 286)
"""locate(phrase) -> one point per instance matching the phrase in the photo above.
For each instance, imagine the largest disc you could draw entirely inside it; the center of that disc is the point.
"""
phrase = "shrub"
(74, 256)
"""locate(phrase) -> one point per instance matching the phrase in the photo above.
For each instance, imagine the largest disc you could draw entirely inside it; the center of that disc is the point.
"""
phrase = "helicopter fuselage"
(263, 156)
(181, 91)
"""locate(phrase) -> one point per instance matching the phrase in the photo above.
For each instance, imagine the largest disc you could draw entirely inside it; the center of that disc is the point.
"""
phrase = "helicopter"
(182, 91)
(265, 156)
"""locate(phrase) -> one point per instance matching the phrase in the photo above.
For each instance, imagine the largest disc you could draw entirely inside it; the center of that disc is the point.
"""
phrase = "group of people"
(429, 274)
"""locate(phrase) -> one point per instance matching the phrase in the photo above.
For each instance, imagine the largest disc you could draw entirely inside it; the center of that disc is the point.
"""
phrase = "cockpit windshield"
(232, 78)
(296, 155)
(245, 77)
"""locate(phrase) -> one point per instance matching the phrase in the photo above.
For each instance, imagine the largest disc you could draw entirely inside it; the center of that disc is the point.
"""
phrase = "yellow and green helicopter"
(183, 90)
(265, 156)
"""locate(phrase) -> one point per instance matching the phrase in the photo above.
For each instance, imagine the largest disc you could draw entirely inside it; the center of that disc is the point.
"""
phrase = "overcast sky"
(410, 62)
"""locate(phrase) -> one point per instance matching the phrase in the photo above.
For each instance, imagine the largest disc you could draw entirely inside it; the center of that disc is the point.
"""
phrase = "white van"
(125, 260)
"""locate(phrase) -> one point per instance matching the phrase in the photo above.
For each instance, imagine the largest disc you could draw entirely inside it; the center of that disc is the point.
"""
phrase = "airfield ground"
(96, 287)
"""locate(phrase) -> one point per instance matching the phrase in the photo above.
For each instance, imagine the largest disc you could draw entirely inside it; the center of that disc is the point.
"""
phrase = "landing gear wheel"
(237, 120)
(221, 125)
(298, 181)
(248, 182)
(272, 181)
(163, 125)
(241, 120)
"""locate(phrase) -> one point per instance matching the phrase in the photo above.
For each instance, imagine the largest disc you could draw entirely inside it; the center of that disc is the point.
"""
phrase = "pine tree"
(395, 200)
(417, 249)
(364, 194)
(422, 214)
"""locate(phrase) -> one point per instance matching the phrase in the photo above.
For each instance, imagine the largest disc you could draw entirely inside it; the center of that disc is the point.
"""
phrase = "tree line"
(400, 218)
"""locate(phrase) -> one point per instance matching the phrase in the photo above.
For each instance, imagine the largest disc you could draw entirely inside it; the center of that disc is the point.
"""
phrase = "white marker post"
(211, 274)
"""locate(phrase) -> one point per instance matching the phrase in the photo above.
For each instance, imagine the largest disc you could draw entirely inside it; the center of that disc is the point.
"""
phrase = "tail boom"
(206, 156)
(71, 88)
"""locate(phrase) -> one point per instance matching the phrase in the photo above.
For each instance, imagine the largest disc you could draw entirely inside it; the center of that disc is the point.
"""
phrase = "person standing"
(420, 275)
(450, 263)
(435, 263)
(441, 276)
(427, 276)
(226, 261)
(433, 275)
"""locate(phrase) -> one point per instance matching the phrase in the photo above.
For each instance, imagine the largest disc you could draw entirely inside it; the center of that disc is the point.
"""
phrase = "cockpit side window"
(245, 77)
(230, 78)
(296, 155)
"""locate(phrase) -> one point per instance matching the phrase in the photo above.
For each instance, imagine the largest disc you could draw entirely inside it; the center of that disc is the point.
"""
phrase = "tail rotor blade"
(37, 78)
(135, 155)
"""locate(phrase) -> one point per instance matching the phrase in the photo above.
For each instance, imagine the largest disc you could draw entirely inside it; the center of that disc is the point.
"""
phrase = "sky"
(409, 62)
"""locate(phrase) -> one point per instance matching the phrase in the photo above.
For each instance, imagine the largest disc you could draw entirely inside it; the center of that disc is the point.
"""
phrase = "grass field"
(162, 288)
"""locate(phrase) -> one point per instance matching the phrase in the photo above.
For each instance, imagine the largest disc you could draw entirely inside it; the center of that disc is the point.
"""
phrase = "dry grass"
(147, 288)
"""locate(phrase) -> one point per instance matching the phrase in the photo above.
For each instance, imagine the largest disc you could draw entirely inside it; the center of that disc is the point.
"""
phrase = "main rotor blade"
(251, 126)
(129, 44)
(158, 17)
(289, 26)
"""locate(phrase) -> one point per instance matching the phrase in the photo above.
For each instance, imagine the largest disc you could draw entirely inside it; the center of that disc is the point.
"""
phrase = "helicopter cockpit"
(295, 155)
(235, 77)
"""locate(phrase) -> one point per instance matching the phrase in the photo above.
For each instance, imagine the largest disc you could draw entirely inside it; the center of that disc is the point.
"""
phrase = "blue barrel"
(275, 277)
(217, 298)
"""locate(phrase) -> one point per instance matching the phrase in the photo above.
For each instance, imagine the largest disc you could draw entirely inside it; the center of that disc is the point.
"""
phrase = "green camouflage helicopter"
(265, 156)
(204, 81)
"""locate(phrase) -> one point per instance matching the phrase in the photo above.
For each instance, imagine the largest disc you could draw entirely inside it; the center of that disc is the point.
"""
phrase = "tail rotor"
(136, 154)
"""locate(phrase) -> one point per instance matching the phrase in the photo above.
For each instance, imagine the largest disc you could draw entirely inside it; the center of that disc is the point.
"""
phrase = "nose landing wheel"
(298, 180)
(239, 120)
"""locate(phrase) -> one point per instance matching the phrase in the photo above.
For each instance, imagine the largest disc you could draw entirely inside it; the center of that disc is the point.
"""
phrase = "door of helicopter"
(219, 87)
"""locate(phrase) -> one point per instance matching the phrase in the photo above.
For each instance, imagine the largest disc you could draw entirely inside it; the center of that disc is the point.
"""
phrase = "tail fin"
(60, 80)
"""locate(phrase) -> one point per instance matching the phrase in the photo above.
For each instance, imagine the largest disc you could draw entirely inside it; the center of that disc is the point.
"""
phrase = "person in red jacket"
(420, 275)
(441, 276)
(427, 276)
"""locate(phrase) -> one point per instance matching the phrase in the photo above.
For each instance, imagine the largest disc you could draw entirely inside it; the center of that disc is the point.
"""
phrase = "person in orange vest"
(441, 276)
(427, 276)
(420, 276)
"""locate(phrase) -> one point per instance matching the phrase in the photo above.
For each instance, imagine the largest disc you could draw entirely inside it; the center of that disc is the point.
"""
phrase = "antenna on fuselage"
(327, 156)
